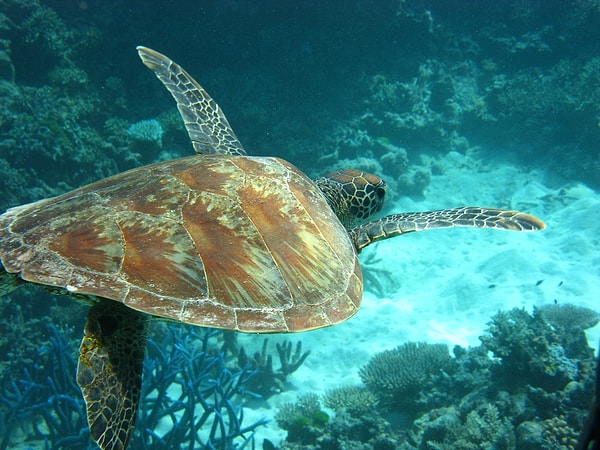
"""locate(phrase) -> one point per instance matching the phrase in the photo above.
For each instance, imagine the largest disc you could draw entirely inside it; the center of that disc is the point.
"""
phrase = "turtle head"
(353, 195)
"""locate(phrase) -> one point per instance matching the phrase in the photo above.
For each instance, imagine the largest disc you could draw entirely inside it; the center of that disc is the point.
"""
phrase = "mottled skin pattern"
(205, 122)
(218, 239)
(355, 196)
(468, 216)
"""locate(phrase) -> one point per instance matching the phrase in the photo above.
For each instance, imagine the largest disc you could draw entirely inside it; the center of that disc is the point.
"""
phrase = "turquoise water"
(452, 103)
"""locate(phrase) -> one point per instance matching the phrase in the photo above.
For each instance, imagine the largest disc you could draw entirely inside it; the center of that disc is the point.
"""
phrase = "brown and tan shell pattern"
(234, 242)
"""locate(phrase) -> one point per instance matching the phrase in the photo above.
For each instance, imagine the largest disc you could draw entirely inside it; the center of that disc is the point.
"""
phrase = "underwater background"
(466, 339)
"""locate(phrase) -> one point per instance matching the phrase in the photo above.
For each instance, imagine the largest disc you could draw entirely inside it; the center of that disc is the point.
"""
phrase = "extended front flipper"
(468, 216)
(110, 371)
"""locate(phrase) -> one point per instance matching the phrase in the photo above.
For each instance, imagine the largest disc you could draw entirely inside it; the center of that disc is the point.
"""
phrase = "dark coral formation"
(268, 380)
(303, 420)
(535, 349)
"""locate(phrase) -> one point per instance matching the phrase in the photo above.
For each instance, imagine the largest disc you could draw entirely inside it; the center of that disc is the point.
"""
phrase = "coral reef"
(533, 351)
(481, 428)
(304, 420)
(469, 401)
(24, 329)
(189, 386)
(446, 84)
(309, 427)
(451, 89)
(570, 321)
(45, 403)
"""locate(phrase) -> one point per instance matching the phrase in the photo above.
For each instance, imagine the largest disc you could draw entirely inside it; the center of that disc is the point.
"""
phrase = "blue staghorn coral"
(183, 375)
(188, 392)
(45, 404)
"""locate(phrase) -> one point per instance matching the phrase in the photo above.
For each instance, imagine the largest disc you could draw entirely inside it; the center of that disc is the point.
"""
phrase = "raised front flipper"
(110, 371)
(205, 122)
(468, 216)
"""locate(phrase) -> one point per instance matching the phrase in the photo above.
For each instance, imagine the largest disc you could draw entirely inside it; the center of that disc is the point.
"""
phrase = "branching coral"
(267, 380)
(20, 339)
(190, 397)
(355, 400)
(44, 402)
(187, 385)
(45, 26)
(147, 131)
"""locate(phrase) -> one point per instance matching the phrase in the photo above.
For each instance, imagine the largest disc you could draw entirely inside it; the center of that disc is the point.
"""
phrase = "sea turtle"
(218, 239)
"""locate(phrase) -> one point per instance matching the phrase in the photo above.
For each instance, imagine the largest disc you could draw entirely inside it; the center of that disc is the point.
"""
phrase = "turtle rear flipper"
(110, 371)
(468, 216)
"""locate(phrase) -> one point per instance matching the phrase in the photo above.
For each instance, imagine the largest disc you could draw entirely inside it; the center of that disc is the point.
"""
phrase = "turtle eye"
(375, 190)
